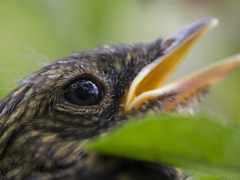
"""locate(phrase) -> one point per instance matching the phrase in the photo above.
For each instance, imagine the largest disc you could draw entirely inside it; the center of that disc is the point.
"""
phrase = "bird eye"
(83, 92)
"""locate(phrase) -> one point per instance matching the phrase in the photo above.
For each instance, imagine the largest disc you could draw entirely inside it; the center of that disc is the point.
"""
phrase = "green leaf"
(201, 176)
(192, 142)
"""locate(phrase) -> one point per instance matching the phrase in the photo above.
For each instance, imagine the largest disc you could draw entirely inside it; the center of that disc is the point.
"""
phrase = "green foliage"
(197, 143)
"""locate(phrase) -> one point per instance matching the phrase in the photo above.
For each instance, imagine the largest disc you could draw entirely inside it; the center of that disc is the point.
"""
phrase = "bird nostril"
(169, 42)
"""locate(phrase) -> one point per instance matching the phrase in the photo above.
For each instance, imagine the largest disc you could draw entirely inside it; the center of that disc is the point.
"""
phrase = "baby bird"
(47, 118)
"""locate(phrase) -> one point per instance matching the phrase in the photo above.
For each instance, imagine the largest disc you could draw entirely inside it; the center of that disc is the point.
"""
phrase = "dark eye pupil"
(83, 92)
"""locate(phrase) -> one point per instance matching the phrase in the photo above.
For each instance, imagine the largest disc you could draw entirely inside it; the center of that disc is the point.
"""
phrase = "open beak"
(149, 85)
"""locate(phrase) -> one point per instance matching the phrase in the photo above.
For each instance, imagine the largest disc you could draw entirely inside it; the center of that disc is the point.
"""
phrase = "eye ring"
(83, 92)
(96, 76)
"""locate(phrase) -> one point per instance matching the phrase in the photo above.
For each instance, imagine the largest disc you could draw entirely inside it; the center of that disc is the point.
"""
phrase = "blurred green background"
(33, 33)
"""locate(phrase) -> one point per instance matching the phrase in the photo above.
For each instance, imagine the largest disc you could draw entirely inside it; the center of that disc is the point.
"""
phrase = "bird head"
(89, 92)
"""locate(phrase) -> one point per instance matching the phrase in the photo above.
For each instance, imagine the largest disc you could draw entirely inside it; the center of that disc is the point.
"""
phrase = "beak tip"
(213, 22)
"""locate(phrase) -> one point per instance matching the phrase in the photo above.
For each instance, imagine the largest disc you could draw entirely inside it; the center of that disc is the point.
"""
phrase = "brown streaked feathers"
(41, 134)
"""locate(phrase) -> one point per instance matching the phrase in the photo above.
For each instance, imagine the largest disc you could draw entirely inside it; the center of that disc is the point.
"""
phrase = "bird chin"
(149, 91)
